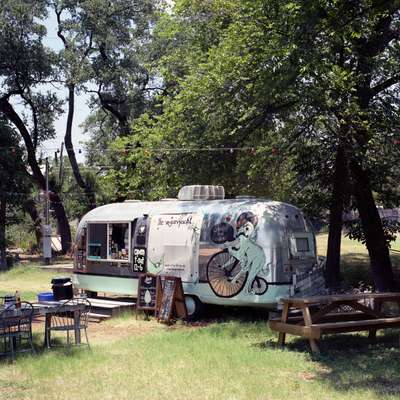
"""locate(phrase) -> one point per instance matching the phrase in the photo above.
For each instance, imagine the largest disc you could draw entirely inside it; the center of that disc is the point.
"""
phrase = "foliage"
(27, 64)
(103, 53)
(391, 230)
(21, 233)
(74, 197)
(15, 187)
(256, 80)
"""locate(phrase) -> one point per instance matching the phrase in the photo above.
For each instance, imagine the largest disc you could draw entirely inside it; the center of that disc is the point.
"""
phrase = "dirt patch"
(117, 329)
(307, 376)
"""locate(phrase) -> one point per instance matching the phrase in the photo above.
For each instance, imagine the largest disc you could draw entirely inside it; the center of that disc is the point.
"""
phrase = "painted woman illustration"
(240, 263)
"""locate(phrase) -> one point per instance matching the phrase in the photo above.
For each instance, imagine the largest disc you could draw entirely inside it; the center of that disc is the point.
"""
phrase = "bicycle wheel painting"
(221, 268)
(259, 285)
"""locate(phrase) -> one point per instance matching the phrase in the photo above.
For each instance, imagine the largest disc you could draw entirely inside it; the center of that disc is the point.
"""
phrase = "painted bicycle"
(229, 270)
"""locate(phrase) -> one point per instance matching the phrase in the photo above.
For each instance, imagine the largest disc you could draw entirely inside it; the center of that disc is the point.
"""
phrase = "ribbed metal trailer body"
(242, 252)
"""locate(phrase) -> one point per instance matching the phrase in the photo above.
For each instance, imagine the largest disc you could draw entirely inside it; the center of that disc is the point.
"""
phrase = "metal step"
(110, 307)
(98, 317)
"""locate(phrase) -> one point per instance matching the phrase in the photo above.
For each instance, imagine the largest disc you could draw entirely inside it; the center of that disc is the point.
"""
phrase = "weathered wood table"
(50, 308)
(324, 315)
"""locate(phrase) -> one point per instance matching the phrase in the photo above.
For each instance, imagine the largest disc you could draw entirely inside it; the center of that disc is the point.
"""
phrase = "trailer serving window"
(109, 241)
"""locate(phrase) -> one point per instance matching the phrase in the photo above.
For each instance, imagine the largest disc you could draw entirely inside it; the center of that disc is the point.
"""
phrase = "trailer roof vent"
(132, 201)
(201, 192)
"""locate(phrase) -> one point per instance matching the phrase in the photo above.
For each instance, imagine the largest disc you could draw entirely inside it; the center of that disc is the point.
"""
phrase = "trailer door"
(173, 246)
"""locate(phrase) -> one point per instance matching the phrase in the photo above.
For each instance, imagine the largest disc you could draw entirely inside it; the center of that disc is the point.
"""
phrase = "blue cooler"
(45, 296)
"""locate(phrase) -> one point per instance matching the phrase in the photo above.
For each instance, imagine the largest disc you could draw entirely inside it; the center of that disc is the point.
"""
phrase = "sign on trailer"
(148, 291)
(172, 301)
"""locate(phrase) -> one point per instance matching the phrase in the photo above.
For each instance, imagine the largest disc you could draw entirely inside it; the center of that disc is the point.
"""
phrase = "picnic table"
(319, 315)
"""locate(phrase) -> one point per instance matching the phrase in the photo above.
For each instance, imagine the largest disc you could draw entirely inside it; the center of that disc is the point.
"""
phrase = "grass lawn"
(355, 261)
(226, 359)
(28, 280)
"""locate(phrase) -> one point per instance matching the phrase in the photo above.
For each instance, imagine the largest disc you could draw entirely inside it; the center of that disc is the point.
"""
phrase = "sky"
(81, 108)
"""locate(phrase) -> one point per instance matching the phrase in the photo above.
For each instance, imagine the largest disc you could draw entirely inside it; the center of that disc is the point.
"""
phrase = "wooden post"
(377, 309)
(307, 322)
(284, 318)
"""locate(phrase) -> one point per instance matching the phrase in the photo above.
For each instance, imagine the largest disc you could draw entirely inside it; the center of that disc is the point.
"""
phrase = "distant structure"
(385, 213)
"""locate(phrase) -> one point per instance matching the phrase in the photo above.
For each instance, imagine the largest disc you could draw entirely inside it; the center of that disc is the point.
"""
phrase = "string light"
(146, 150)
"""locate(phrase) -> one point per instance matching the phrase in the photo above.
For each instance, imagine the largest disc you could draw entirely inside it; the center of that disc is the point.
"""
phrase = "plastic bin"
(45, 296)
(62, 288)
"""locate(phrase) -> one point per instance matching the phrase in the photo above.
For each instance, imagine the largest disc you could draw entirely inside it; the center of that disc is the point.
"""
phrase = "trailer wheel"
(194, 307)
(221, 269)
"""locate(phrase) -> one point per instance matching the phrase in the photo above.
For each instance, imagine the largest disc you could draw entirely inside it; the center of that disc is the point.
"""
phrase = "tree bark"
(31, 209)
(71, 152)
(336, 220)
(371, 223)
(3, 259)
(62, 221)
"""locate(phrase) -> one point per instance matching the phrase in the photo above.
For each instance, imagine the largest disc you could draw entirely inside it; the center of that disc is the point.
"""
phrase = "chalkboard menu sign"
(172, 303)
(139, 259)
(148, 291)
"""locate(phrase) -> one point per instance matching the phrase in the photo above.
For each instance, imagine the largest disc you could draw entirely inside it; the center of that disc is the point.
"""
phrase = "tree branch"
(12, 115)
(59, 30)
(384, 85)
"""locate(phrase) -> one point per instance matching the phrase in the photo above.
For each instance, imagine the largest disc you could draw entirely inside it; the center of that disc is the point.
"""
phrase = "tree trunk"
(371, 223)
(3, 260)
(71, 153)
(31, 209)
(62, 220)
(335, 220)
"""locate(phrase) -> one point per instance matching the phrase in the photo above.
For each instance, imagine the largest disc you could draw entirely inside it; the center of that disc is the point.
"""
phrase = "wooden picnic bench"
(319, 315)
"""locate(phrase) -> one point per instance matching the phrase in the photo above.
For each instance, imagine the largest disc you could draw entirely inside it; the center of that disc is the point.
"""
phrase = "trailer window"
(97, 246)
(109, 241)
(118, 236)
(302, 245)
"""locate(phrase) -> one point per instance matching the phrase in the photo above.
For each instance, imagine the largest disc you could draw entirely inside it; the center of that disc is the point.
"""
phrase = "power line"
(165, 149)
(133, 148)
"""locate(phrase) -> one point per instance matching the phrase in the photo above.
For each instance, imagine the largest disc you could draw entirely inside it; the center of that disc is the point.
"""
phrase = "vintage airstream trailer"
(244, 251)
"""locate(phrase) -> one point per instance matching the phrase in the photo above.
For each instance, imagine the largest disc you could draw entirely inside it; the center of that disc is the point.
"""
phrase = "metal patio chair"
(71, 316)
(16, 328)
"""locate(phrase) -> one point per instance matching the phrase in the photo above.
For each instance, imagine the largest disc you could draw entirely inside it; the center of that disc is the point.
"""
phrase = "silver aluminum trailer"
(242, 252)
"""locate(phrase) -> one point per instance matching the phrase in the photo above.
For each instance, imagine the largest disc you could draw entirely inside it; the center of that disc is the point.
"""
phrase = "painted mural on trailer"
(219, 250)
(240, 267)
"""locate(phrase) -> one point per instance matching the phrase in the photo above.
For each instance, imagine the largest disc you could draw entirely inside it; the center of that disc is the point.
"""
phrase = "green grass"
(28, 280)
(232, 358)
(355, 264)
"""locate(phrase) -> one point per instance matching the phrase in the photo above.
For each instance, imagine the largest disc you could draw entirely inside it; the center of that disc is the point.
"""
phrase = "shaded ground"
(355, 260)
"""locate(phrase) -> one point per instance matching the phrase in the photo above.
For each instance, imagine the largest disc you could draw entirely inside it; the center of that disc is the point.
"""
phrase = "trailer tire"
(194, 307)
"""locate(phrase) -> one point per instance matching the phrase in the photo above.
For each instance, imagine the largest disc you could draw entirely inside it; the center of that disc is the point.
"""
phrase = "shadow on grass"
(59, 347)
(351, 362)
(356, 268)
(214, 313)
